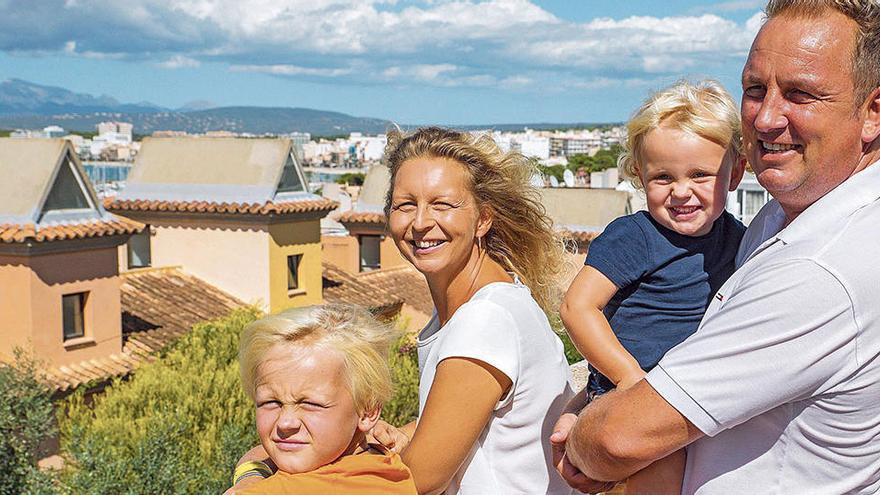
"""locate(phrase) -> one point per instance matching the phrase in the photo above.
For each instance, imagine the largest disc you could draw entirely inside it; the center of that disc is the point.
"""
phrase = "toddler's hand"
(392, 438)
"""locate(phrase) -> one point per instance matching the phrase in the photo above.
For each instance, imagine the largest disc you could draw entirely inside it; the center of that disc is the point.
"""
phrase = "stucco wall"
(286, 239)
(34, 314)
(230, 256)
(341, 250)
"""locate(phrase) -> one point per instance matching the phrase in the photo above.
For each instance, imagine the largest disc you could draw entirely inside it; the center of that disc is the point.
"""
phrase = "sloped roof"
(158, 306)
(353, 216)
(372, 194)
(29, 168)
(405, 282)
(316, 204)
(16, 233)
(231, 170)
(343, 287)
(215, 175)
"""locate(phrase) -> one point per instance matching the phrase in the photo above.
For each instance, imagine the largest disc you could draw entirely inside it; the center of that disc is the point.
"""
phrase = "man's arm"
(625, 431)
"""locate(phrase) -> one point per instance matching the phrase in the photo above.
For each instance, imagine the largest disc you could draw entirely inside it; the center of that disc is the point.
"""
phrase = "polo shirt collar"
(826, 214)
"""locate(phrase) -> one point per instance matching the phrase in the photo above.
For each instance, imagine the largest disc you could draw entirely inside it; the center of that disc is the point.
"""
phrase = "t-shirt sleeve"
(620, 252)
(785, 333)
(485, 331)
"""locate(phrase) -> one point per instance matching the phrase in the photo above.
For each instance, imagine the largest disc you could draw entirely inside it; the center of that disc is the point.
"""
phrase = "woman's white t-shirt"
(503, 326)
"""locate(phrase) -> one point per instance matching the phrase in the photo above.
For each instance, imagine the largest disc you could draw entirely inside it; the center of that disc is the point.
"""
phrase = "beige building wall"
(341, 250)
(389, 255)
(33, 316)
(231, 256)
(292, 238)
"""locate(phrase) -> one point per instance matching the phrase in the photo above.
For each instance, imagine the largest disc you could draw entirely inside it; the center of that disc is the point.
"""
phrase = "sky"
(410, 61)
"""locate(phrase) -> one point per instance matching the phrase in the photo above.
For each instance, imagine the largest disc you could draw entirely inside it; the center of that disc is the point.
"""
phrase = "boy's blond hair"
(704, 109)
(363, 342)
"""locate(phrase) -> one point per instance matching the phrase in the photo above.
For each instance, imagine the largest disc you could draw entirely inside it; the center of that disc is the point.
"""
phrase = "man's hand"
(572, 475)
(390, 437)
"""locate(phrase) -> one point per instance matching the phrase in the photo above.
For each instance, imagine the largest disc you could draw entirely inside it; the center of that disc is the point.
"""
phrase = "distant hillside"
(25, 105)
(23, 97)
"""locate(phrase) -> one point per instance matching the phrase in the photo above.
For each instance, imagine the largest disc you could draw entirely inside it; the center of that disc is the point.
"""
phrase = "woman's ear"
(368, 419)
(484, 223)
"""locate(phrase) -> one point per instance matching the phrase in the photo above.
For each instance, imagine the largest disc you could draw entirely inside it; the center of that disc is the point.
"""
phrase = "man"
(779, 389)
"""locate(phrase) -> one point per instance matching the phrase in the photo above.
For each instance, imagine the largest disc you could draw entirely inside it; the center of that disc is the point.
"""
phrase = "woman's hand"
(392, 438)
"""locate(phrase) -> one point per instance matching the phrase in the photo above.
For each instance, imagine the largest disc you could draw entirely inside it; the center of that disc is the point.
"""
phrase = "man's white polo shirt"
(783, 375)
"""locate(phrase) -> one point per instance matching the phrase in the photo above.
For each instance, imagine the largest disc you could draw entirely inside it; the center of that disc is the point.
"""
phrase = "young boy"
(318, 377)
(649, 276)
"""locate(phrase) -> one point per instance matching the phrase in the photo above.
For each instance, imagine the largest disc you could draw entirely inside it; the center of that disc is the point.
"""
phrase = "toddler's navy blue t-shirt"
(665, 281)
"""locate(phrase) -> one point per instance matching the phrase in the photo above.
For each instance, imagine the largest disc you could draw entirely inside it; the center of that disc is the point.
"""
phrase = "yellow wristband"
(257, 467)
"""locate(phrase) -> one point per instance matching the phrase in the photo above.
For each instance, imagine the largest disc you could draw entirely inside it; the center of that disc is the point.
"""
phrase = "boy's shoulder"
(367, 474)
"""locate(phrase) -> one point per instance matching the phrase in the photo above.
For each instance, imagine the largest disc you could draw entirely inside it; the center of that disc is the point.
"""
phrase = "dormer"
(59, 284)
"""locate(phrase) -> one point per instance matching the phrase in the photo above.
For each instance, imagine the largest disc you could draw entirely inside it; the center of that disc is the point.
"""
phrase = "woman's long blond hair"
(522, 238)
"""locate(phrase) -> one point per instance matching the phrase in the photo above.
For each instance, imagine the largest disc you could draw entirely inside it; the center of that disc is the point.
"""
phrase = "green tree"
(177, 426)
(26, 419)
(552, 171)
(351, 178)
(404, 361)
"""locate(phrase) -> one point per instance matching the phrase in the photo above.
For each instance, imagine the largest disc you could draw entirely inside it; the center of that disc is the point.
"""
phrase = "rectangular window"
(139, 249)
(293, 262)
(754, 200)
(369, 252)
(72, 308)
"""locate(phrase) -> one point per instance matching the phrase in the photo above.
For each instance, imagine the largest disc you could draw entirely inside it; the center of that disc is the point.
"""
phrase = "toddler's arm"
(590, 332)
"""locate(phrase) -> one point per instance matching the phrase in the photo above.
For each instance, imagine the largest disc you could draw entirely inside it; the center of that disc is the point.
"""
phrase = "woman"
(493, 377)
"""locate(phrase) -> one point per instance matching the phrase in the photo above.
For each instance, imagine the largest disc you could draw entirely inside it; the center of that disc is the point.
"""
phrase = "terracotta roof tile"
(267, 208)
(579, 235)
(158, 306)
(19, 233)
(352, 216)
(405, 282)
(341, 286)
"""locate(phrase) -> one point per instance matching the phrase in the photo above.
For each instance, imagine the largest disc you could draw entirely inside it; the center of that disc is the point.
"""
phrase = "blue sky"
(411, 61)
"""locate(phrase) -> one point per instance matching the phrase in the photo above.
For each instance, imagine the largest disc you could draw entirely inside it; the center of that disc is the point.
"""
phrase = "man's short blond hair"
(351, 330)
(866, 14)
(704, 109)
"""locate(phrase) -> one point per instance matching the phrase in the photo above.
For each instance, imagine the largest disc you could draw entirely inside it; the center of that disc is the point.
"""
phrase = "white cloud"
(179, 62)
(291, 70)
(442, 43)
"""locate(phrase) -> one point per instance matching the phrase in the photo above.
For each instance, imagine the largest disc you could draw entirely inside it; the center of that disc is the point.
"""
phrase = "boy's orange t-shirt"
(363, 474)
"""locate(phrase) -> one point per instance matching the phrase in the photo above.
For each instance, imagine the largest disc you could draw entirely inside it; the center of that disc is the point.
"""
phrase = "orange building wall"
(34, 318)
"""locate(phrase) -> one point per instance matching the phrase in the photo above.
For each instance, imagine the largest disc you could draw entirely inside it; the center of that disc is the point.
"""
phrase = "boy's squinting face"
(306, 417)
(686, 179)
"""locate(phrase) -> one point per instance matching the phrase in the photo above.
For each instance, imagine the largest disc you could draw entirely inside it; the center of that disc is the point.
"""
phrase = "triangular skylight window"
(67, 192)
(291, 179)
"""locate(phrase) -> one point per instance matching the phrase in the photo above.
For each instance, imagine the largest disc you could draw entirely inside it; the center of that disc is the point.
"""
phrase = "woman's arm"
(460, 403)
(582, 315)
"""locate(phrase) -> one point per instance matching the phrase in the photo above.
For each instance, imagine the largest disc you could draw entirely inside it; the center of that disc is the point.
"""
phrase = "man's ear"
(368, 419)
(871, 126)
(736, 172)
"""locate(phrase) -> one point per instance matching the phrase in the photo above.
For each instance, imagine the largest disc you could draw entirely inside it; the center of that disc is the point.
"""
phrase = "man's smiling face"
(801, 128)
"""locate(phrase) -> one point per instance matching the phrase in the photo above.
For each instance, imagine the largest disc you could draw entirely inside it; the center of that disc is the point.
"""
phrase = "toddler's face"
(686, 180)
(306, 417)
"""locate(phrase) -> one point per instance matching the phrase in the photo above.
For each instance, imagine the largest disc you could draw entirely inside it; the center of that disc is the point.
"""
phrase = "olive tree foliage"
(176, 426)
(26, 420)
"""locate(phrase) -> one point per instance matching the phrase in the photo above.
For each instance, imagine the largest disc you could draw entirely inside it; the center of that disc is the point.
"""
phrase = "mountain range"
(26, 105)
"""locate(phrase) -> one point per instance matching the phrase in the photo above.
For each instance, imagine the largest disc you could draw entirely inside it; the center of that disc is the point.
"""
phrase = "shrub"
(177, 426)
(404, 405)
(26, 419)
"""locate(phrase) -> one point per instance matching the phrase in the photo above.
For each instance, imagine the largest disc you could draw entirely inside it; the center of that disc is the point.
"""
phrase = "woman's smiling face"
(434, 218)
